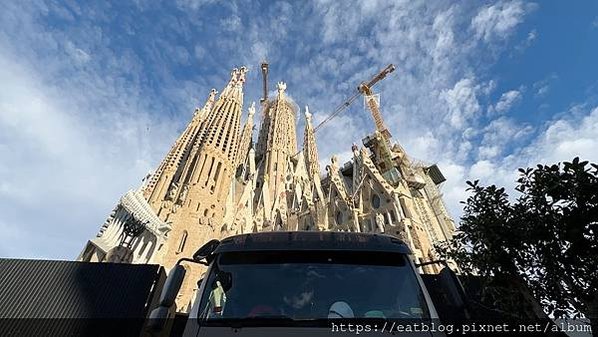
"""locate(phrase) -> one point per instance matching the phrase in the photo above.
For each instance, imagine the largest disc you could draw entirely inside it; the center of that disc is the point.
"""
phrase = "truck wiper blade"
(263, 321)
(273, 320)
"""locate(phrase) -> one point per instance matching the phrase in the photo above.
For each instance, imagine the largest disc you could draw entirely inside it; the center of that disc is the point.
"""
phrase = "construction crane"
(365, 88)
(379, 143)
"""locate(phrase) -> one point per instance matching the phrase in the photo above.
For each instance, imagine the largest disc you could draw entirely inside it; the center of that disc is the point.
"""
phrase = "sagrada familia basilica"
(216, 181)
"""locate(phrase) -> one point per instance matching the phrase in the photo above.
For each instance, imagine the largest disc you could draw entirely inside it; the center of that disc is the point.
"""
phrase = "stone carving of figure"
(307, 114)
(334, 161)
(281, 86)
(213, 94)
(173, 190)
(380, 222)
(184, 193)
(251, 110)
(241, 74)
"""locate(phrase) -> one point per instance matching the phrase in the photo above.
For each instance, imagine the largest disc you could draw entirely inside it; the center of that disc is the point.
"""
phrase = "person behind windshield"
(217, 300)
(299, 303)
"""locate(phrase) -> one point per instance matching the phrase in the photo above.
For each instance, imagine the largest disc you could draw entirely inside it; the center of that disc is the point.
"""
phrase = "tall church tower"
(194, 201)
(185, 196)
(156, 188)
(277, 143)
(310, 149)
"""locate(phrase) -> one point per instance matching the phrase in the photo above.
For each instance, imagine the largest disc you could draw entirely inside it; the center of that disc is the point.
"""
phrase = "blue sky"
(92, 94)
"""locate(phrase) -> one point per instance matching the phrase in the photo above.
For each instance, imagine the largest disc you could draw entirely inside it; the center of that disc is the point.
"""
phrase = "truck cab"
(302, 283)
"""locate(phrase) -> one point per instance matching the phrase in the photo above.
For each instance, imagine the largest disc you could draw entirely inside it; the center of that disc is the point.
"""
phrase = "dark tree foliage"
(547, 240)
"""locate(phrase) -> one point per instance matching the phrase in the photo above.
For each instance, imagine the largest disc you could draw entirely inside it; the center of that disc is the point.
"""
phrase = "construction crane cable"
(362, 89)
(338, 110)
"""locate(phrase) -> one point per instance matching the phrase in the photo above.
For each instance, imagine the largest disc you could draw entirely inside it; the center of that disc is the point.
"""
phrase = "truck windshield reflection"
(311, 285)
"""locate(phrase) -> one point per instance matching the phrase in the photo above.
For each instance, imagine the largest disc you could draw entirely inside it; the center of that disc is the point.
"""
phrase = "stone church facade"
(216, 181)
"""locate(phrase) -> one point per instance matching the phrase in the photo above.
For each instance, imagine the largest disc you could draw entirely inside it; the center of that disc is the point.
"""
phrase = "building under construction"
(218, 179)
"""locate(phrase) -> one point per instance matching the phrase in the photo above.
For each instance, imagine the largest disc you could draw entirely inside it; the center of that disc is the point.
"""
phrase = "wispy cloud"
(462, 102)
(542, 87)
(499, 20)
(60, 165)
(506, 101)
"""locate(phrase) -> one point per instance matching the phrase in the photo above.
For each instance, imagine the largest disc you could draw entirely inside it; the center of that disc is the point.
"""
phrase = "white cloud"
(506, 101)
(529, 40)
(462, 102)
(231, 24)
(542, 87)
(499, 20)
(543, 90)
(64, 167)
(193, 4)
(79, 55)
(560, 140)
(482, 169)
(565, 138)
(532, 35)
(199, 51)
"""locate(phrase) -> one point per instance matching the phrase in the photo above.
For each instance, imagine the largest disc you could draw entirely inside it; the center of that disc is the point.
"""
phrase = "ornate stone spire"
(222, 128)
(246, 135)
(156, 188)
(234, 88)
(277, 144)
(203, 112)
(194, 199)
(310, 150)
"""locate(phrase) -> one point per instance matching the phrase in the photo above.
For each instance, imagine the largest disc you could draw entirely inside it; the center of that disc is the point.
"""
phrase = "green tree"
(547, 239)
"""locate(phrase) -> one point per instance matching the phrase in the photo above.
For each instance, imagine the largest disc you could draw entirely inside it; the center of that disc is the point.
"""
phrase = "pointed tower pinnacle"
(203, 112)
(156, 188)
(222, 128)
(281, 87)
(194, 201)
(310, 150)
(246, 135)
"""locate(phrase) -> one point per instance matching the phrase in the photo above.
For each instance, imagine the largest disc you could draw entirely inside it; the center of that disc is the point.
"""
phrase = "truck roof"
(312, 240)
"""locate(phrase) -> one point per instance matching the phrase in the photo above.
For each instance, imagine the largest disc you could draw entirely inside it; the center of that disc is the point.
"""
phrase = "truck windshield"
(311, 285)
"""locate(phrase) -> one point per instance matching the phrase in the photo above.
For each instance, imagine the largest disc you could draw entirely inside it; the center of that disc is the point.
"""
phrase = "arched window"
(375, 201)
(393, 217)
(339, 218)
(182, 242)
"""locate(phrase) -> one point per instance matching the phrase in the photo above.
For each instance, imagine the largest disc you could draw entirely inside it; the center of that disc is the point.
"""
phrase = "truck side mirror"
(158, 318)
(205, 250)
(452, 287)
(172, 286)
